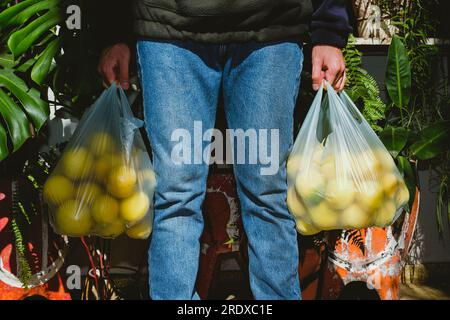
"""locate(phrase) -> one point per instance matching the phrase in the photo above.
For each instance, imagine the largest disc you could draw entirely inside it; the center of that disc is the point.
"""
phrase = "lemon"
(317, 154)
(73, 219)
(390, 184)
(104, 164)
(324, 217)
(402, 196)
(295, 204)
(354, 217)
(305, 228)
(122, 181)
(142, 230)
(292, 166)
(309, 186)
(367, 165)
(148, 178)
(135, 207)
(77, 163)
(370, 196)
(101, 143)
(58, 189)
(385, 160)
(339, 195)
(385, 214)
(87, 192)
(328, 168)
(105, 209)
(111, 230)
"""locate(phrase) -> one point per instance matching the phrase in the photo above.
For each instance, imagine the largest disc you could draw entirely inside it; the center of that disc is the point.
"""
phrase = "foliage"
(28, 45)
(362, 87)
(419, 100)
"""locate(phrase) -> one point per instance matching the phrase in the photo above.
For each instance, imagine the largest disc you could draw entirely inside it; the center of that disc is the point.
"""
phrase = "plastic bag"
(104, 182)
(340, 175)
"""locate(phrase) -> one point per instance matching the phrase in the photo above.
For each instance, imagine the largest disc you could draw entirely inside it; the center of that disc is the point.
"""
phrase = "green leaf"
(398, 74)
(36, 109)
(26, 65)
(16, 121)
(3, 144)
(30, 11)
(7, 61)
(8, 14)
(433, 140)
(20, 41)
(394, 139)
(41, 69)
(408, 173)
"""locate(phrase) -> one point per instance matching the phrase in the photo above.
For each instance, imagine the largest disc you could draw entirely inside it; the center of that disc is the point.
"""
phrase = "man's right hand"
(114, 65)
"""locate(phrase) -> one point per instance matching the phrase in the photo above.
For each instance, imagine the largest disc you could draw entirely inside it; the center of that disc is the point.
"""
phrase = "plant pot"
(374, 256)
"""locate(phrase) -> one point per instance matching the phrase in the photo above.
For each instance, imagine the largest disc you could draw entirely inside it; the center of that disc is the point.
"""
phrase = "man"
(192, 52)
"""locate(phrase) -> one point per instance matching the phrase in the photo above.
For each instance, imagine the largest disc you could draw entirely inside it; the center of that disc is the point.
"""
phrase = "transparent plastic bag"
(340, 175)
(104, 183)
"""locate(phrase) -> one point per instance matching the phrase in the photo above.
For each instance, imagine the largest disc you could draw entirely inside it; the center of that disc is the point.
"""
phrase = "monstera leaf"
(27, 53)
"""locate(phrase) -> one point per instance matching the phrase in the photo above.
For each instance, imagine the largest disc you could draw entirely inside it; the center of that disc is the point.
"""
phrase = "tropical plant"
(418, 123)
(28, 45)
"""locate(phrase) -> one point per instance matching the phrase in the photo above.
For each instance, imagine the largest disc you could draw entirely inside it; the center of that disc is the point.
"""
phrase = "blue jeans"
(182, 82)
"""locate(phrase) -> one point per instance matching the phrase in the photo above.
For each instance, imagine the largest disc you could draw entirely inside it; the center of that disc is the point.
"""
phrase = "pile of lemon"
(97, 190)
(358, 191)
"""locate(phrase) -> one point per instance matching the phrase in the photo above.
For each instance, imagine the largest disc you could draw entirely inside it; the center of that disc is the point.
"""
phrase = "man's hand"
(114, 65)
(328, 63)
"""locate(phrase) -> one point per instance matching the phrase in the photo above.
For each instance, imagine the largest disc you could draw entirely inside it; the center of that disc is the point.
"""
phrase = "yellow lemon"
(367, 165)
(385, 214)
(73, 219)
(104, 164)
(385, 160)
(111, 230)
(101, 143)
(105, 209)
(135, 207)
(317, 154)
(292, 166)
(309, 186)
(402, 196)
(142, 230)
(87, 192)
(77, 163)
(328, 168)
(58, 189)
(370, 195)
(324, 217)
(295, 204)
(148, 179)
(122, 181)
(339, 195)
(390, 184)
(354, 217)
(305, 228)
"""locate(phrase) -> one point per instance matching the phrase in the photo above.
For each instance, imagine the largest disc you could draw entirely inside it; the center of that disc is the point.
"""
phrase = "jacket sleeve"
(111, 21)
(330, 23)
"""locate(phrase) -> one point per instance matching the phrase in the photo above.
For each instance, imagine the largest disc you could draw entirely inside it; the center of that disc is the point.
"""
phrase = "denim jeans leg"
(181, 85)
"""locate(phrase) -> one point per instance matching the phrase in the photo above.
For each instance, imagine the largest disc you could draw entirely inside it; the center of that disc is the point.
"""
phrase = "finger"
(341, 84)
(124, 74)
(331, 75)
(109, 76)
(317, 74)
(338, 79)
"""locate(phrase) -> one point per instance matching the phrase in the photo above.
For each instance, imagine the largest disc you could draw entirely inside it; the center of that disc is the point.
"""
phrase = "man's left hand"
(328, 63)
